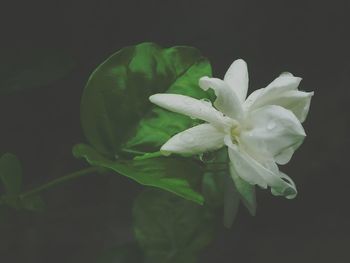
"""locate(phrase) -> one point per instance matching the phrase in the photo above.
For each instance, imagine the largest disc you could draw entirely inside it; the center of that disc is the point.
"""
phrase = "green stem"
(133, 151)
(59, 180)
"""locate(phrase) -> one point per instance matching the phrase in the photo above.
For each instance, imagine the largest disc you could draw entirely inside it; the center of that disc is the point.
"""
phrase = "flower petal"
(289, 193)
(242, 167)
(282, 92)
(272, 132)
(237, 78)
(263, 173)
(189, 106)
(226, 98)
(199, 139)
(296, 101)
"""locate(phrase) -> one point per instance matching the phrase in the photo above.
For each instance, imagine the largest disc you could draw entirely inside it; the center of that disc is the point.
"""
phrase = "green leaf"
(115, 109)
(212, 189)
(177, 175)
(26, 68)
(219, 189)
(170, 229)
(11, 173)
(246, 192)
(126, 253)
(213, 183)
(231, 201)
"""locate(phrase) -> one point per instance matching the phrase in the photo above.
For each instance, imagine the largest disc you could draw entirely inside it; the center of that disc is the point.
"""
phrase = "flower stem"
(59, 180)
(133, 151)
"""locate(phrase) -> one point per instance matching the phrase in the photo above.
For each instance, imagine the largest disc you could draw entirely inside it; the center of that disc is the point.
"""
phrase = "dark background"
(84, 217)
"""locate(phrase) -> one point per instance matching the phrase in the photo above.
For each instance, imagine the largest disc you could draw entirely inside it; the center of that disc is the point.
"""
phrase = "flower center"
(235, 132)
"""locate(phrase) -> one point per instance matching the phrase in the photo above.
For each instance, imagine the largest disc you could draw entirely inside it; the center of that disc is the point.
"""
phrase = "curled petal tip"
(203, 83)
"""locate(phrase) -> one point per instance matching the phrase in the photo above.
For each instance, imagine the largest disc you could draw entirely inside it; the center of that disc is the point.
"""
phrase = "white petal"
(237, 78)
(226, 98)
(199, 139)
(285, 82)
(189, 106)
(263, 173)
(272, 132)
(242, 167)
(285, 156)
(296, 101)
(282, 92)
(291, 192)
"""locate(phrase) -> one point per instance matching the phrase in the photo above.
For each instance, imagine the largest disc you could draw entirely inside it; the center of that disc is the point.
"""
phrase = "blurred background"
(85, 217)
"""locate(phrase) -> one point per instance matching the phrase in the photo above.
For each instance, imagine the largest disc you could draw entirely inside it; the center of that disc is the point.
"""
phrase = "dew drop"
(271, 125)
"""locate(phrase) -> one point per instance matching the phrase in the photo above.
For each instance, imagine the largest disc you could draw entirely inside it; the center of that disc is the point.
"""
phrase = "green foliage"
(246, 193)
(118, 119)
(170, 229)
(11, 177)
(231, 201)
(219, 189)
(175, 174)
(26, 69)
(115, 110)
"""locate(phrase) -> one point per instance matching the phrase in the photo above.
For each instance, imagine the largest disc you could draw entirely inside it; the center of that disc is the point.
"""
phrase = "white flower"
(259, 131)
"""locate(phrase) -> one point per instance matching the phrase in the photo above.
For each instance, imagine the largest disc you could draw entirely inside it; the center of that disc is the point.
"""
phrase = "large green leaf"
(32, 68)
(115, 109)
(170, 229)
(175, 174)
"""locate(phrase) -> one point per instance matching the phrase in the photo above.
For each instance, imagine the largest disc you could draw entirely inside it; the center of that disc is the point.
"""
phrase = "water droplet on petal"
(271, 125)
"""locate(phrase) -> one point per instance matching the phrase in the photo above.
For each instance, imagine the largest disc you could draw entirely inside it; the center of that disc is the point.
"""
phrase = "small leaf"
(218, 187)
(178, 175)
(246, 192)
(170, 229)
(115, 108)
(231, 201)
(26, 69)
(11, 173)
